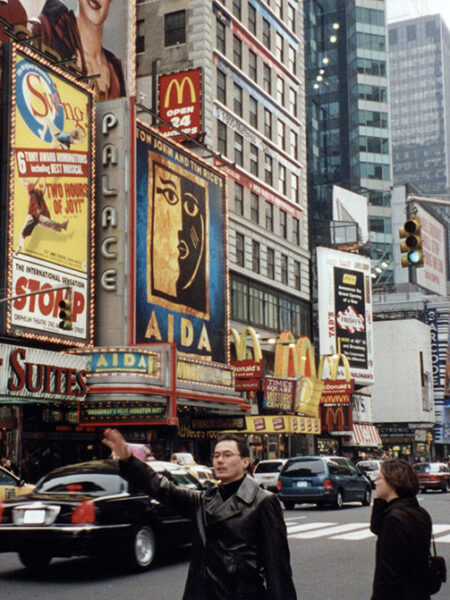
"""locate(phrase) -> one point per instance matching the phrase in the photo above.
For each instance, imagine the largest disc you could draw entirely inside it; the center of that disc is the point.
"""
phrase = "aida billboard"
(180, 254)
(47, 198)
(86, 32)
(345, 310)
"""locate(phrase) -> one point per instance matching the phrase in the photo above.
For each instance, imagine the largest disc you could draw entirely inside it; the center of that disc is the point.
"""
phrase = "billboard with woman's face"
(180, 249)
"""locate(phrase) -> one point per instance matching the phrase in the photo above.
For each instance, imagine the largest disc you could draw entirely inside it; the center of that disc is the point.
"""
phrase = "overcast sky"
(400, 10)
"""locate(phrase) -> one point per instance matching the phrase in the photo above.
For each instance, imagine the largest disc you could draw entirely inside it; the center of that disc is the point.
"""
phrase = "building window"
(266, 33)
(175, 28)
(252, 62)
(293, 144)
(279, 8)
(238, 199)
(281, 129)
(237, 99)
(282, 179)
(256, 302)
(220, 36)
(267, 79)
(279, 53)
(221, 87)
(284, 269)
(238, 149)
(255, 256)
(253, 159)
(296, 231)
(240, 250)
(267, 123)
(254, 208)
(237, 9)
(253, 112)
(280, 91)
(269, 216)
(221, 138)
(294, 188)
(239, 300)
(237, 51)
(297, 275)
(293, 102)
(268, 169)
(251, 12)
(140, 36)
(283, 224)
(291, 18)
(270, 263)
(292, 62)
(411, 33)
(393, 36)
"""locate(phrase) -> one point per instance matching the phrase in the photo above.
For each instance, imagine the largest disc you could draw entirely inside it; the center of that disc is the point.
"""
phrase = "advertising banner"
(282, 424)
(77, 29)
(180, 292)
(279, 394)
(336, 418)
(180, 102)
(345, 311)
(433, 275)
(49, 199)
(121, 413)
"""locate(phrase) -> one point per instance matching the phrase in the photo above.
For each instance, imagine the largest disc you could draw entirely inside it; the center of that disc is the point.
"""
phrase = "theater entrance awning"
(364, 436)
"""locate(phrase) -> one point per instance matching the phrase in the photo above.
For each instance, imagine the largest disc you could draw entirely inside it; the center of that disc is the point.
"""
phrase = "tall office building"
(347, 107)
(420, 103)
(251, 57)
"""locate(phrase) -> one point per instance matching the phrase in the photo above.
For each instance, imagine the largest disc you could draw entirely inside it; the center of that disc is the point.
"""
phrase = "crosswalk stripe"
(329, 530)
(440, 528)
(306, 527)
(445, 539)
(362, 534)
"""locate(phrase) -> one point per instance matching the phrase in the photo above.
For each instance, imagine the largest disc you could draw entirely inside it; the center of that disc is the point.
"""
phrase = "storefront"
(411, 441)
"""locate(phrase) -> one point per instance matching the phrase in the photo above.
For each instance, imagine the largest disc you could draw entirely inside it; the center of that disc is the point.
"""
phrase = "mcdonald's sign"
(335, 391)
(248, 370)
(180, 103)
(337, 418)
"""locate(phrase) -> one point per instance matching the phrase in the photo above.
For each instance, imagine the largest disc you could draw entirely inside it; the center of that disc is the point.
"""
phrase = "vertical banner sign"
(345, 311)
(180, 103)
(181, 292)
(50, 199)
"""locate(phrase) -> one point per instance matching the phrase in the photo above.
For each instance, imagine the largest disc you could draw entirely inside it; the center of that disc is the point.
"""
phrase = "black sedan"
(88, 509)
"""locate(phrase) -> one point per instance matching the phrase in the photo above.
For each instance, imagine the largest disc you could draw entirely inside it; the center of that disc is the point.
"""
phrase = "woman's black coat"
(240, 549)
(404, 533)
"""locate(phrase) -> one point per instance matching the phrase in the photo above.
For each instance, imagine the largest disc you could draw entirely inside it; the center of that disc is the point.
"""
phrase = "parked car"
(88, 509)
(433, 476)
(371, 469)
(266, 473)
(322, 480)
(11, 485)
(203, 473)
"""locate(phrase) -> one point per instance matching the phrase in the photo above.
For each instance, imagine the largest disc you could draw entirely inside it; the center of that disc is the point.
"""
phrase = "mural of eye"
(190, 205)
(169, 191)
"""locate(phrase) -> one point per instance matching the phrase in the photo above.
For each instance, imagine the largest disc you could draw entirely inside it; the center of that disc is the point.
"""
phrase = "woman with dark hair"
(404, 534)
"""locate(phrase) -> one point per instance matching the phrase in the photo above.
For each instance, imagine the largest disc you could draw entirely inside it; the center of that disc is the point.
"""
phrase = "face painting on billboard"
(50, 196)
(180, 249)
(84, 31)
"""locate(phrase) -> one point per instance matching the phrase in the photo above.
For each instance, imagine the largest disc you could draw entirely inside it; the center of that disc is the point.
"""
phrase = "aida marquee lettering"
(44, 378)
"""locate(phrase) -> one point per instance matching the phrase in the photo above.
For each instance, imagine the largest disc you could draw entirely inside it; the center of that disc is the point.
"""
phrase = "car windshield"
(184, 480)
(371, 466)
(269, 467)
(94, 484)
(427, 468)
(303, 468)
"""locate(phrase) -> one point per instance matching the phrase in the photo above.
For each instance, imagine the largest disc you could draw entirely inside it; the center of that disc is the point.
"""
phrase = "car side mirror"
(21, 482)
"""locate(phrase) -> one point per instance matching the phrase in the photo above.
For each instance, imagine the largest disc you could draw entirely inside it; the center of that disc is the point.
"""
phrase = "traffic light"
(411, 247)
(65, 314)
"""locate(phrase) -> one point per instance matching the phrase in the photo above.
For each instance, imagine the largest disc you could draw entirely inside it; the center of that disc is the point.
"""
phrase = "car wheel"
(339, 500)
(366, 497)
(288, 505)
(444, 487)
(143, 548)
(35, 560)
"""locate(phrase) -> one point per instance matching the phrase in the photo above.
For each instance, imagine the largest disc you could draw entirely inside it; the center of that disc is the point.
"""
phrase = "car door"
(358, 481)
(8, 485)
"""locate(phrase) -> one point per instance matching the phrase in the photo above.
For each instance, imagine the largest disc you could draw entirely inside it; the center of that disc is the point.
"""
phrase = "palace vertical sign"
(180, 103)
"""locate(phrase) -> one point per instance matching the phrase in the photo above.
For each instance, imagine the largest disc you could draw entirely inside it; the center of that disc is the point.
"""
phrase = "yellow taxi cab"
(11, 486)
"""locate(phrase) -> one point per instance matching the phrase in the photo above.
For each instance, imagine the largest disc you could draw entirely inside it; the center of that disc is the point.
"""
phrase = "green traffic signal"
(411, 247)
(65, 314)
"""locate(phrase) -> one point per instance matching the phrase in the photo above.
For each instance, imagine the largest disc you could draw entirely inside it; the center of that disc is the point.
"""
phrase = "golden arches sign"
(294, 357)
(179, 87)
(240, 344)
(333, 362)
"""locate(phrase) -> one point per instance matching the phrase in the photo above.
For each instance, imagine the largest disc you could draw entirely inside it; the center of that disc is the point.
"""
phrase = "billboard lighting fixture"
(333, 39)
(378, 269)
(325, 60)
(336, 25)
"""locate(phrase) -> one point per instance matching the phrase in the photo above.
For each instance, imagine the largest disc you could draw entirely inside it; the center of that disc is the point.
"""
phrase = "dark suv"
(322, 480)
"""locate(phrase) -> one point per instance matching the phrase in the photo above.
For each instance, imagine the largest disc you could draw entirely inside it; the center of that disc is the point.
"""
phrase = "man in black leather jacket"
(240, 549)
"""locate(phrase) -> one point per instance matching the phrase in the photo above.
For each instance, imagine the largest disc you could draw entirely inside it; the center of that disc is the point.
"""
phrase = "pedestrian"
(404, 534)
(240, 549)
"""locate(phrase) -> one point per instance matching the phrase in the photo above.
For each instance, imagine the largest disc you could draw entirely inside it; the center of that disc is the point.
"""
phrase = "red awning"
(365, 435)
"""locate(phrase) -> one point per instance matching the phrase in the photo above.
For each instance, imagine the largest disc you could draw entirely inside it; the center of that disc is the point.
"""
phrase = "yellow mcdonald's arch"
(294, 357)
(179, 86)
(240, 344)
(333, 361)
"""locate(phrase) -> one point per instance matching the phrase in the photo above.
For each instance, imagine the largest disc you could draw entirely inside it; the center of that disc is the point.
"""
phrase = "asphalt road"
(332, 557)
